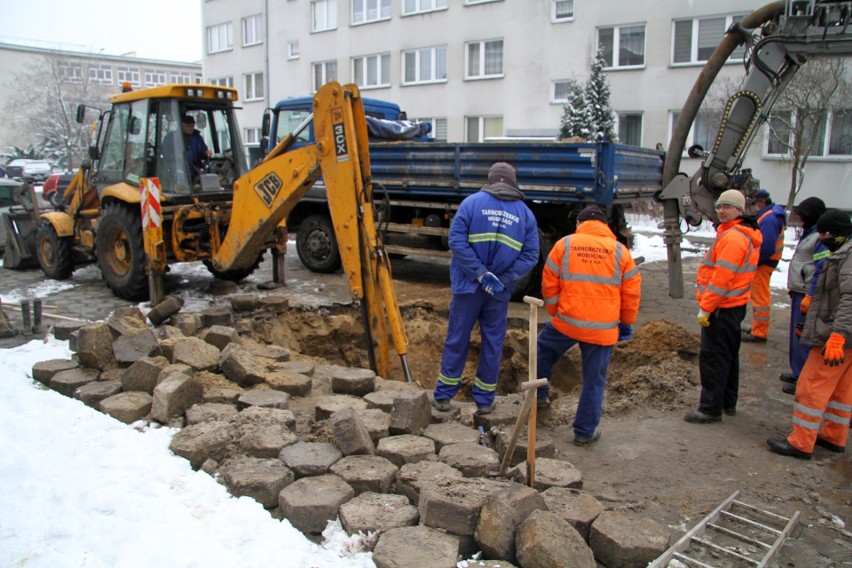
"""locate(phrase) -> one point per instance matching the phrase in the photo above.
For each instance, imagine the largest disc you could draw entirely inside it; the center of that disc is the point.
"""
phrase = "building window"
(198, 78)
(223, 82)
(155, 77)
(410, 7)
(693, 41)
(179, 77)
(100, 74)
(366, 11)
(427, 65)
(293, 49)
(371, 70)
(323, 15)
(484, 59)
(219, 38)
(561, 89)
(71, 71)
(439, 128)
(253, 30)
(129, 75)
(623, 46)
(472, 2)
(830, 133)
(324, 72)
(252, 136)
(254, 86)
(630, 128)
(703, 130)
(561, 10)
(478, 128)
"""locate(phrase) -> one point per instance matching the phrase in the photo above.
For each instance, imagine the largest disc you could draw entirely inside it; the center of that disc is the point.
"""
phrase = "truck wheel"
(55, 253)
(317, 244)
(120, 253)
(234, 275)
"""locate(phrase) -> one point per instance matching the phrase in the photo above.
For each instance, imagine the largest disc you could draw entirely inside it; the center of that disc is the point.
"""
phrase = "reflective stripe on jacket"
(772, 221)
(727, 269)
(590, 284)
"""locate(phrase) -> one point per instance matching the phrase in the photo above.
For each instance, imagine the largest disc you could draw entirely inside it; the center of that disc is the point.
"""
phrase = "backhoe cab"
(151, 195)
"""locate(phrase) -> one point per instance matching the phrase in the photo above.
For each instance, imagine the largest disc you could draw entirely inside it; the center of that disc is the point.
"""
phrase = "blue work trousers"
(465, 311)
(552, 344)
(798, 353)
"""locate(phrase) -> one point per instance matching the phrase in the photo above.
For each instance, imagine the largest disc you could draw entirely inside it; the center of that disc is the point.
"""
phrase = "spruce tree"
(597, 99)
(576, 120)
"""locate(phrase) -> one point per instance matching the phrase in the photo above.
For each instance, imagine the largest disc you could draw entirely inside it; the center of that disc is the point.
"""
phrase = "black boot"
(783, 447)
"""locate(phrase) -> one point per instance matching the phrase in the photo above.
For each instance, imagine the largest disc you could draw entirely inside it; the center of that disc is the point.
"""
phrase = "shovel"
(528, 408)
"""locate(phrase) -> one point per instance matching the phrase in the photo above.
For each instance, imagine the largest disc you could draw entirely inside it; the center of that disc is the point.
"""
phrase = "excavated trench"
(655, 369)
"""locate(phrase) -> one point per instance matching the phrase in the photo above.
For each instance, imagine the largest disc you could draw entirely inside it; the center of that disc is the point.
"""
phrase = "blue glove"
(625, 332)
(491, 283)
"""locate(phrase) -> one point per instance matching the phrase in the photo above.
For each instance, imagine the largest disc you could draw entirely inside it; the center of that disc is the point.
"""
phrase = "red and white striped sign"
(150, 203)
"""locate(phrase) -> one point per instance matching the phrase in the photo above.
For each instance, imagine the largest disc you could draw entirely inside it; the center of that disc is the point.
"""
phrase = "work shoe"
(823, 443)
(788, 377)
(789, 388)
(783, 447)
(751, 338)
(443, 405)
(542, 403)
(698, 417)
(483, 410)
(586, 440)
(730, 411)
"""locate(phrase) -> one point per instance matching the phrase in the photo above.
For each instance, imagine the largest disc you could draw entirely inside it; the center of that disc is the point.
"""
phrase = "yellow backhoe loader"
(167, 182)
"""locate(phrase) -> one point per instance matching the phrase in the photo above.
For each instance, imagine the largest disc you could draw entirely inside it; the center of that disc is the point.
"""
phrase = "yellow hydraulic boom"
(265, 195)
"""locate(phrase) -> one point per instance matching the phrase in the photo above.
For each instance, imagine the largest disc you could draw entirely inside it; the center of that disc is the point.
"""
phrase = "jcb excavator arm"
(265, 195)
(792, 32)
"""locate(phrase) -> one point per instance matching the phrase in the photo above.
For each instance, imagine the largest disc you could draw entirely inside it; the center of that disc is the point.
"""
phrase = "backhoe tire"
(55, 253)
(234, 275)
(317, 244)
(120, 252)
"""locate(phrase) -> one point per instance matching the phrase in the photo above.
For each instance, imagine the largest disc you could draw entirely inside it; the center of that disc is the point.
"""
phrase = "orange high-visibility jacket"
(728, 268)
(590, 284)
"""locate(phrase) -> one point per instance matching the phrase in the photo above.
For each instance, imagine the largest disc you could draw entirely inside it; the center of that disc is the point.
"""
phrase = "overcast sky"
(157, 29)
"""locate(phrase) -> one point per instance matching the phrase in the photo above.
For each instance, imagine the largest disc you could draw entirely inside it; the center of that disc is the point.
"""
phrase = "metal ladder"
(733, 532)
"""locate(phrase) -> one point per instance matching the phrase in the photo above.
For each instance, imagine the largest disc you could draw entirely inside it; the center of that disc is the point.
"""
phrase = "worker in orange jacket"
(823, 405)
(724, 281)
(591, 288)
(771, 220)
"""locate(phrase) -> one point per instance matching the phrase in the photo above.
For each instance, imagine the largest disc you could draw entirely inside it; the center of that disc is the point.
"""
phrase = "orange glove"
(833, 351)
(806, 304)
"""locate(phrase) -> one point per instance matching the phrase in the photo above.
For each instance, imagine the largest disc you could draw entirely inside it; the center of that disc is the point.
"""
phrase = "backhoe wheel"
(55, 253)
(234, 275)
(120, 252)
(317, 245)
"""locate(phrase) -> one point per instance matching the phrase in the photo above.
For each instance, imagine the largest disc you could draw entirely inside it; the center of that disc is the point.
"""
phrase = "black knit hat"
(835, 222)
(592, 213)
(502, 172)
(809, 210)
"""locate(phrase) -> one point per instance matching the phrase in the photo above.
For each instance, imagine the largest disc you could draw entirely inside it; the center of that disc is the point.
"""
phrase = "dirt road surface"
(648, 459)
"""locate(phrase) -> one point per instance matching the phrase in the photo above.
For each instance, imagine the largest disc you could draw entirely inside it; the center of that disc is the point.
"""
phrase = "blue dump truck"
(418, 185)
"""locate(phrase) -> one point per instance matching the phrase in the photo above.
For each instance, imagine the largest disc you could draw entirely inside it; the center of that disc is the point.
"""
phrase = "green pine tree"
(597, 98)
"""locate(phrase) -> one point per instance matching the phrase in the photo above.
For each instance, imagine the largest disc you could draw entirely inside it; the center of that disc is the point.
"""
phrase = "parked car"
(54, 187)
(37, 170)
(15, 168)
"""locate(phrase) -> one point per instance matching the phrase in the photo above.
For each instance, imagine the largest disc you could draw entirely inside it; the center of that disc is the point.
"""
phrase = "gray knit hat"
(502, 172)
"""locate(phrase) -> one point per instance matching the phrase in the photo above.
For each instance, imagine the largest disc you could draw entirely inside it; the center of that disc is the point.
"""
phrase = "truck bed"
(566, 172)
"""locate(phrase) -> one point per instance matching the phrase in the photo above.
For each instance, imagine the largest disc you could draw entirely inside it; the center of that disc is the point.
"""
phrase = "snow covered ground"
(82, 489)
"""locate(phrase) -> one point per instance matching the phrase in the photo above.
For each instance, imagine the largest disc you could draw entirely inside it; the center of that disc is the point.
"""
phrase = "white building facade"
(106, 72)
(493, 68)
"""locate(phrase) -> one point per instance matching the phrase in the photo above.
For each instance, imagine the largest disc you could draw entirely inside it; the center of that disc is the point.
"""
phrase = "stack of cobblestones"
(313, 442)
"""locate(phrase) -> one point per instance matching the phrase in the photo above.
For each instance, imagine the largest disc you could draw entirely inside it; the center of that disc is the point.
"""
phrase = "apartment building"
(480, 69)
(106, 72)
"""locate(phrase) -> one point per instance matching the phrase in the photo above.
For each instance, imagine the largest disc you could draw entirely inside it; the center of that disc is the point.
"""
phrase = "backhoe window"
(111, 163)
(134, 155)
(172, 168)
